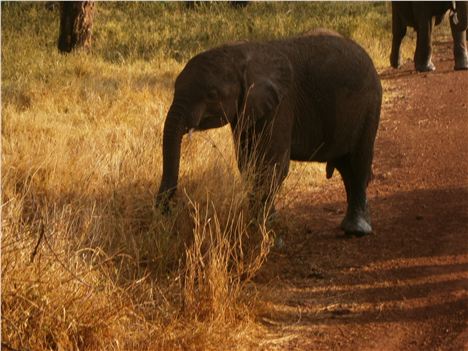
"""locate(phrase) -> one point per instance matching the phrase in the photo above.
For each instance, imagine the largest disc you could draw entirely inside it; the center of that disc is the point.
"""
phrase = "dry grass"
(87, 263)
(97, 268)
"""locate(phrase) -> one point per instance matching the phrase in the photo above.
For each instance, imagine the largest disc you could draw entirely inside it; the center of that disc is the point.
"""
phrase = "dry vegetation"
(87, 263)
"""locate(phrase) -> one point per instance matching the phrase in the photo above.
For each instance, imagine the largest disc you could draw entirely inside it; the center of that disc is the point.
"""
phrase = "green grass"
(129, 32)
(87, 263)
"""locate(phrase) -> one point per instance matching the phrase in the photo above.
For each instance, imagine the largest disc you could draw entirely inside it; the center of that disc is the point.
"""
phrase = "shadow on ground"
(414, 268)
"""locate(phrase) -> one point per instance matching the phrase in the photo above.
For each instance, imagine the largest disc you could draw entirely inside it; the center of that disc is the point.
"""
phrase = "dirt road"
(406, 286)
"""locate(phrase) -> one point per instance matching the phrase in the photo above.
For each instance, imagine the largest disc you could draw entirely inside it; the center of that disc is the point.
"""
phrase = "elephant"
(419, 15)
(315, 97)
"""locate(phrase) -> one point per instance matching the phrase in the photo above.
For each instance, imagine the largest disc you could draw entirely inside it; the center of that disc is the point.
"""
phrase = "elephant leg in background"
(459, 48)
(398, 33)
(423, 53)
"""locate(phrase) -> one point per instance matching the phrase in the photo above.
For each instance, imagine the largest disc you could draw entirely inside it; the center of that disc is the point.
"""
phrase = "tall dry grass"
(87, 262)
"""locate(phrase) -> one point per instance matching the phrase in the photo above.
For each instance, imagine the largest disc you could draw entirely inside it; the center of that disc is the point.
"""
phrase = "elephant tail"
(330, 169)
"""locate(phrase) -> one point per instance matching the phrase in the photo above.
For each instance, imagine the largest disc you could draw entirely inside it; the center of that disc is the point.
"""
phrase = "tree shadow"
(406, 70)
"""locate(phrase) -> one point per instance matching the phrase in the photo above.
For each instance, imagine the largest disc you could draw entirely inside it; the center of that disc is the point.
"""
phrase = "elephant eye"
(212, 94)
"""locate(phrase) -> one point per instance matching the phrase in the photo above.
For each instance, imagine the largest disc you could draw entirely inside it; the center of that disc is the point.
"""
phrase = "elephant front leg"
(423, 54)
(262, 172)
(459, 48)
(266, 181)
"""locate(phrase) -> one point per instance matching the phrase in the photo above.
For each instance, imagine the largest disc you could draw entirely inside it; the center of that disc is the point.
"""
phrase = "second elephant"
(311, 98)
(420, 15)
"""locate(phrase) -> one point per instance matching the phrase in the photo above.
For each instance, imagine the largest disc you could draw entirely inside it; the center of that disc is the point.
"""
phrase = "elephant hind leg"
(356, 170)
(355, 179)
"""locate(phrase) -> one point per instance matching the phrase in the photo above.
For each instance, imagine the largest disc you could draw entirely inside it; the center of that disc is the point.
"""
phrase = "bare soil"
(405, 287)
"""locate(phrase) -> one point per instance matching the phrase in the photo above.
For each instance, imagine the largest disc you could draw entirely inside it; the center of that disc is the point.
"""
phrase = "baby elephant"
(311, 98)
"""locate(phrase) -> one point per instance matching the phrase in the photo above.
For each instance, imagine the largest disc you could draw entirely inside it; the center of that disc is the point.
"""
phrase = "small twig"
(57, 258)
(39, 240)
(215, 146)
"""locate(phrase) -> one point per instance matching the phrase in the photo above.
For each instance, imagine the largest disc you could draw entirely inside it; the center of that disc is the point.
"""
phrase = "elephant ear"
(267, 78)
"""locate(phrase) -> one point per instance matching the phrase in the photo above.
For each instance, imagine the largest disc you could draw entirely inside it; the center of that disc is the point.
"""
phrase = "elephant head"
(217, 87)
(459, 16)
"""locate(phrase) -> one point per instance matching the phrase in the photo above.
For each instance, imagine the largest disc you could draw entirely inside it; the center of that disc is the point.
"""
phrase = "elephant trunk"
(174, 129)
(460, 22)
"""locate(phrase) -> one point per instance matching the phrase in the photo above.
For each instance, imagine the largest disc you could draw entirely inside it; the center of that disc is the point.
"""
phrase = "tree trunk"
(76, 21)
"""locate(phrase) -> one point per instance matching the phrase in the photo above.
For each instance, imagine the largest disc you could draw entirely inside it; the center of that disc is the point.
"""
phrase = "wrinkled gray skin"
(311, 98)
(420, 15)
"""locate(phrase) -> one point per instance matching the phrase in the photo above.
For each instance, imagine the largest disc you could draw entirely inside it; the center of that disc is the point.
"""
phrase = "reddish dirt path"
(406, 286)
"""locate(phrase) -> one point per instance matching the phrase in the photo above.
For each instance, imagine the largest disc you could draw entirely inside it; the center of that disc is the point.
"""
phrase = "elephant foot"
(164, 200)
(163, 207)
(356, 225)
(461, 63)
(395, 61)
(429, 67)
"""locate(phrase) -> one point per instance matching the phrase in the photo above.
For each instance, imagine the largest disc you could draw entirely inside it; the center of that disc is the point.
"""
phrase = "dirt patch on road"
(406, 286)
